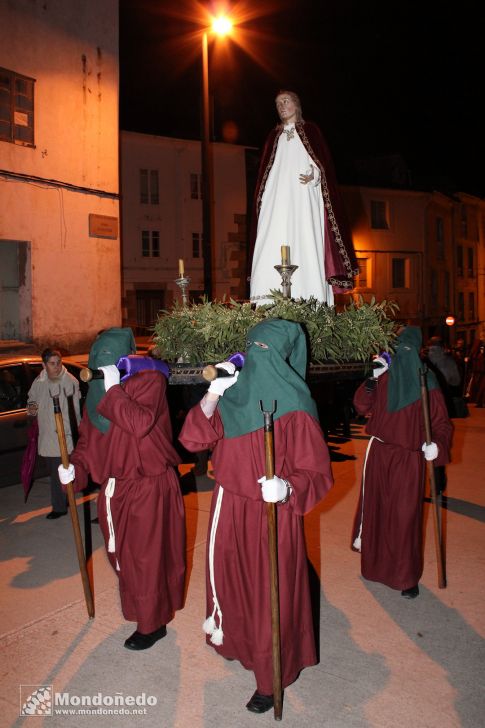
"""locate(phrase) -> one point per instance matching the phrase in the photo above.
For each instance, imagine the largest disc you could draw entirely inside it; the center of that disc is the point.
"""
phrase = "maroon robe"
(147, 506)
(241, 544)
(339, 255)
(393, 485)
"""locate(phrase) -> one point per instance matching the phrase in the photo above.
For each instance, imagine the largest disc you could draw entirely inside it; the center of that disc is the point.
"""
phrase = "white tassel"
(209, 625)
(357, 543)
(217, 637)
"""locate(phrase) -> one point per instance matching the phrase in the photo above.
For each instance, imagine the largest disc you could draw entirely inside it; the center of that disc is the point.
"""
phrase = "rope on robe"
(209, 626)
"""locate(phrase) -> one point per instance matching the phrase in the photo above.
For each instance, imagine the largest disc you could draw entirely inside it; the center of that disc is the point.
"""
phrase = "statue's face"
(286, 108)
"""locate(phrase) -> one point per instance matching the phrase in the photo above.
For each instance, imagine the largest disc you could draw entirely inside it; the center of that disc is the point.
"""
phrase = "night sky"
(379, 78)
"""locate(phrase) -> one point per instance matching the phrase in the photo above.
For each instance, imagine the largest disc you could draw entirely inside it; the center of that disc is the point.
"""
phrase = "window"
(362, 278)
(464, 222)
(195, 186)
(459, 260)
(150, 243)
(16, 108)
(471, 307)
(471, 268)
(196, 245)
(399, 272)
(440, 239)
(155, 244)
(434, 287)
(149, 187)
(13, 395)
(447, 291)
(379, 217)
(461, 306)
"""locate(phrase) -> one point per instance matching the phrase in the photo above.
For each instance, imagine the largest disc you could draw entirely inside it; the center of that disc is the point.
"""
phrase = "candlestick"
(286, 271)
(285, 255)
(181, 268)
(183, 284)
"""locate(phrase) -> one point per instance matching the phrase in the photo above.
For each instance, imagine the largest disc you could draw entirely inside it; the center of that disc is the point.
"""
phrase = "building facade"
(426, 252)
(161, 191)
(59, 201)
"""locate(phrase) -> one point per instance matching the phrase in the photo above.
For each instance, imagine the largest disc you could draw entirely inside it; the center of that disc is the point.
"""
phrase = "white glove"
(430, 451)
(111, 376)
(379, 370)
(66, 475)
(220, 384)
(273, 490)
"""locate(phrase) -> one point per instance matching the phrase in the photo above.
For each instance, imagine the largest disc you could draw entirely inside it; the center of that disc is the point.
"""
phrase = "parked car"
(16, 376)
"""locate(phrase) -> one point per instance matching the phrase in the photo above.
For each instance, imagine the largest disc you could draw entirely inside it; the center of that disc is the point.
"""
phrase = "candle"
(181, 267)
(285, 255)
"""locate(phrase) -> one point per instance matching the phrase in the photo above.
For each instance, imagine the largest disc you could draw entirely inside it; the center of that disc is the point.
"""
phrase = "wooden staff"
(436, 500)
(61, 436)
(273, 564)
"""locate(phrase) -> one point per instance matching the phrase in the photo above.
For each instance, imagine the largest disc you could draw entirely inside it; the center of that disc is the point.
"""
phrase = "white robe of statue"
(291, 214)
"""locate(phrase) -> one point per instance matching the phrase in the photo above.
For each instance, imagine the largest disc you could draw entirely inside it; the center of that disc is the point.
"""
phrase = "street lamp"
(222, 26)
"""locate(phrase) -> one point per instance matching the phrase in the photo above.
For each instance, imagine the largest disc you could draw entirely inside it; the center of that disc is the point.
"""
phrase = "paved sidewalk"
(384, 661)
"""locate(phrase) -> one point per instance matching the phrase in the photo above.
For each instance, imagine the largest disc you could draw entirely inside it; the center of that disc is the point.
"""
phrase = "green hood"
(276, 373)
(403, 384)
(107, 348)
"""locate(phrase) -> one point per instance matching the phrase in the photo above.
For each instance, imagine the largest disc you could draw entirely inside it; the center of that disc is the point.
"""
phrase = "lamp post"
(221, 26)
(207, 174)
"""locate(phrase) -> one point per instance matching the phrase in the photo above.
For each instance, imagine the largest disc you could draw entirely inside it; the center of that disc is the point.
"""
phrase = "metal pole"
(207, 175)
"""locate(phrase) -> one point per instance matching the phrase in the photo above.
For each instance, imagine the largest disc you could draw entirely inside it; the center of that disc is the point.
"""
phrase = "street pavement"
(384, 661)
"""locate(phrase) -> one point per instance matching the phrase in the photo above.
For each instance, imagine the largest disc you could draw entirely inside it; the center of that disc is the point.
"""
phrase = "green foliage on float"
(211, 331)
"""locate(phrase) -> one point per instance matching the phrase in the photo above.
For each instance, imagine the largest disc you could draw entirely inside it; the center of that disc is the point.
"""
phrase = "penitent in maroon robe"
(241, 569)
(393, 484)
(147, 506)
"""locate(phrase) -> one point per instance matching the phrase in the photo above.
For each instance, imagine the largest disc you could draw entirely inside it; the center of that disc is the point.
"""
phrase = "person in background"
(54, 379)
(476, 385)
(445, 368)
(125, 443)
(230, 422)
(297, 203)
(388, 523)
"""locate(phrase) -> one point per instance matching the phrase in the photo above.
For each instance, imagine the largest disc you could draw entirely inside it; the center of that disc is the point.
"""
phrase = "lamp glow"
(221, 25)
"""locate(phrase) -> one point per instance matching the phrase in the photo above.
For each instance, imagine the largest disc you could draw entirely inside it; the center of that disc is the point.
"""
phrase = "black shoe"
(411, 593)
(56, 514)
(260, 703)
(139, 641)
(95, 520)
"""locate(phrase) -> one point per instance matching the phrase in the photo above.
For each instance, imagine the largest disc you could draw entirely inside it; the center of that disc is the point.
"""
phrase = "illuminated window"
(362, 278)
(16, 108)
(379, 215)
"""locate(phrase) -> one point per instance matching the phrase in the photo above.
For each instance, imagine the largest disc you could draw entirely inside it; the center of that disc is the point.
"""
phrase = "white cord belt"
(358, 540)
(109, 492)
(209, 626)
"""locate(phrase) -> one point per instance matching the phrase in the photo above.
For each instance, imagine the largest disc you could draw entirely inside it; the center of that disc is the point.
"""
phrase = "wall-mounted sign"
(103, 226)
